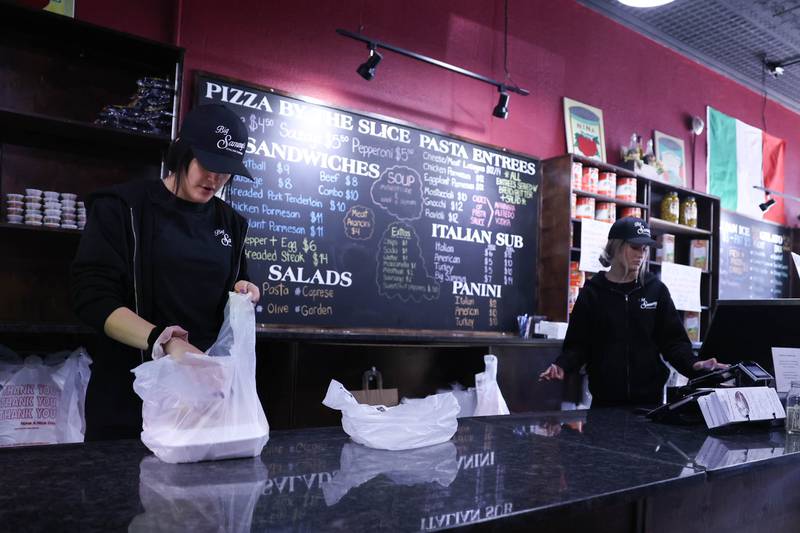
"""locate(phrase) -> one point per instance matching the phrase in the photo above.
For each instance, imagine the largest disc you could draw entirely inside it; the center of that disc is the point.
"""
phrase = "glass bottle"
(689, 212)
(793, 409)
(670, 207)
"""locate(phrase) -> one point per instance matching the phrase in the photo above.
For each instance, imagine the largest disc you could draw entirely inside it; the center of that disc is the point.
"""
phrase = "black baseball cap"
(217, 137)
(633, 230)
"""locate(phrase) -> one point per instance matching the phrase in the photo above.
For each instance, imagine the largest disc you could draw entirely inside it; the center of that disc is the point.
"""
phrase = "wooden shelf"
(605, 167)
(41, 229)
(602, 198)
(671, 227)
(36, 129)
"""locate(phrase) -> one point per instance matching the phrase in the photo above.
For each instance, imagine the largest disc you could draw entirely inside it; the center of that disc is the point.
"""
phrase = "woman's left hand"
(709, 365)
(245, 287)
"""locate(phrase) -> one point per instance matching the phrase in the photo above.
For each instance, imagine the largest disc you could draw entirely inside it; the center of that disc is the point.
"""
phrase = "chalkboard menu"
(362, 222)
(754, 258)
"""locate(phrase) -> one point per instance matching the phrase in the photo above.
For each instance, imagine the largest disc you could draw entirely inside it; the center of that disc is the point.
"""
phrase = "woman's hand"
(177, 347)
(245, 287)
(709, 365)
(553, 372)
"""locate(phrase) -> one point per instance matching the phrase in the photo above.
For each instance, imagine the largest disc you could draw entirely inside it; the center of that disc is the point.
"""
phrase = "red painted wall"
(556, 49)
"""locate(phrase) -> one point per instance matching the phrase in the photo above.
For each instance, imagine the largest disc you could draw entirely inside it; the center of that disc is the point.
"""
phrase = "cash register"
(742, 334)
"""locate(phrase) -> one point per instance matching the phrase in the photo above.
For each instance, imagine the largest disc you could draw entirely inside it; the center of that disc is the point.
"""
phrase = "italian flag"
(740, 156)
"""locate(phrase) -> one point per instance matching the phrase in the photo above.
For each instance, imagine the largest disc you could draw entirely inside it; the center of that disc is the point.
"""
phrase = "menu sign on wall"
(754, 258)
(357, 221)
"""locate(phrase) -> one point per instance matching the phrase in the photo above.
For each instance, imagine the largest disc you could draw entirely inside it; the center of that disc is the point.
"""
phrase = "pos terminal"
(742, 334)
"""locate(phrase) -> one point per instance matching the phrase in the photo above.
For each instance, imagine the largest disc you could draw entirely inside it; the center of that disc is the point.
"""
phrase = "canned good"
(573, 297)
(590, 176)
(607, 184)
(573, 200)
(605, 212)
(577, 175)
(576, 276)
(626, 189)
(631, 212)
(584, 207)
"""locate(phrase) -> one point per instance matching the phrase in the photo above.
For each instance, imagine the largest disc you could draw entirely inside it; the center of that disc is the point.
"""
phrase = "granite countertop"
(317, 479)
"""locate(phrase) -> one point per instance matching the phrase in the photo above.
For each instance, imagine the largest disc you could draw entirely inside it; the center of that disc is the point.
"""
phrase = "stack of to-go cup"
(33, 207)
(52, 210)
(15, 208)
(69, 211)
(81, 215)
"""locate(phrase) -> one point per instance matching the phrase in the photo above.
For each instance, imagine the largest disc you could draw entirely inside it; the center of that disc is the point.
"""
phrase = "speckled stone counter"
(602, 470)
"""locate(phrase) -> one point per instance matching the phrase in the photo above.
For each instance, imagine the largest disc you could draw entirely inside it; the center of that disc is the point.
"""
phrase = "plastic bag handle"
(369, 375)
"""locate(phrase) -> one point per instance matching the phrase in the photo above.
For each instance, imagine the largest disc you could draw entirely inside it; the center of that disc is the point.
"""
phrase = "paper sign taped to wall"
(683, 283)
(594, 235)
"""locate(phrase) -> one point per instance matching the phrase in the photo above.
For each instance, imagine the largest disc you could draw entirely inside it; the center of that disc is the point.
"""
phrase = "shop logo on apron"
(644, 304)
(224, 238)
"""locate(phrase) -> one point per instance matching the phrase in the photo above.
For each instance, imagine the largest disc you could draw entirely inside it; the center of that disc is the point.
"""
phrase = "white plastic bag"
(485, 399)
(205, 407)
(412, 424)
(359, 464)
(42, 401)
(490, 399)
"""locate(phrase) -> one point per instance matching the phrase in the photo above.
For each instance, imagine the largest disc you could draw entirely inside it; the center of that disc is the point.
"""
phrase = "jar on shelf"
(689, 212)
(793, 409)
(670, 207)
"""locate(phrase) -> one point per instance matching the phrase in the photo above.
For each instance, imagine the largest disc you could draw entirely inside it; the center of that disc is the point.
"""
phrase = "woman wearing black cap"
(622, 320)
(156, 262)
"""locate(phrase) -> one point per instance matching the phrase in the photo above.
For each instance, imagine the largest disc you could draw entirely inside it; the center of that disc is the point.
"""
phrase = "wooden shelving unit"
(560, 232)
(60, 73)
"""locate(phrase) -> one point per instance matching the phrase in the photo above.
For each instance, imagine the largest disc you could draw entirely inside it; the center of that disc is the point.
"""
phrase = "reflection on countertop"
(317, 479)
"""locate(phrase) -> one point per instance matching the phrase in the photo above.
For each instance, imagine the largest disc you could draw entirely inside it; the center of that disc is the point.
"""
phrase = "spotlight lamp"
(766, 205)
(501, 109)
(775, 69)
(367, 69)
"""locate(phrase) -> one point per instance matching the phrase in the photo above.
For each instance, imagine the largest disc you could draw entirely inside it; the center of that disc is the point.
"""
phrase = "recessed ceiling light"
(645, 3)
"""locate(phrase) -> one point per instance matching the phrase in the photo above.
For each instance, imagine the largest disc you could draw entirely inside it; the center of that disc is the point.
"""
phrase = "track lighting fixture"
(367, 69)
(501, 109)
(777, 68)
(766, 205)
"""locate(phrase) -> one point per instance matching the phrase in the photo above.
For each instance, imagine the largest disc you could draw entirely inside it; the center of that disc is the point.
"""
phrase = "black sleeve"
(575, 351)
(243, 275)
(671, 337)
(100, 273)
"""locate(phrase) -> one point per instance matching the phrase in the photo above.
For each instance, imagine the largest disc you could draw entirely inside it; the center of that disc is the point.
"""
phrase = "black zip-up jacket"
(619, 336)
(108, 273)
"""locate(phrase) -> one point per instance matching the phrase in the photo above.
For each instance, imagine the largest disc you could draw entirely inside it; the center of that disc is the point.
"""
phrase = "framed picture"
(670, 151)
(585, 134)
(62, 7)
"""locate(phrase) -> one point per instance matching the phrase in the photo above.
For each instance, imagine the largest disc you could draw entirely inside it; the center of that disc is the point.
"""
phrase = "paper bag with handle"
(378, 395)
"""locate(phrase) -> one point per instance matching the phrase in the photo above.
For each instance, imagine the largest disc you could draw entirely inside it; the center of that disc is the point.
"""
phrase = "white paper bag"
(205, 407)
(412, 424)
(42, 400)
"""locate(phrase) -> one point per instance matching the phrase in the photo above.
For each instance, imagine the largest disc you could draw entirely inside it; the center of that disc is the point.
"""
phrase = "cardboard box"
(666, 254)
(698, 254)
